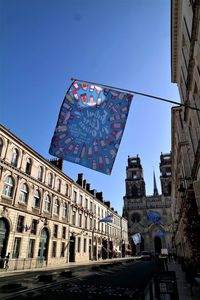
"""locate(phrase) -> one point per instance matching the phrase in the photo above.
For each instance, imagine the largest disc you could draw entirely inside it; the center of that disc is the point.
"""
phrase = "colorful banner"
(90, 126)
(154, 216)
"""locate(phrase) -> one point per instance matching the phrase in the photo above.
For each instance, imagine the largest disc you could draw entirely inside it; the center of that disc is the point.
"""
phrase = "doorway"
(72, 249)
(44, 244)
(4, 234)
(157, 244)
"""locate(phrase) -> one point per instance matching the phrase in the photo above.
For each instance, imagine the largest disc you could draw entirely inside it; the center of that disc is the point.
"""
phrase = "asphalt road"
(124, 280)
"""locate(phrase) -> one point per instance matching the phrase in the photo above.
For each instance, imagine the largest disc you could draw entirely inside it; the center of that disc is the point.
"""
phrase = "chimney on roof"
(84, 184)
(99, 196)
(107, 203)
(93, 192)
(88, 187)
(80, 179)
(58, 163)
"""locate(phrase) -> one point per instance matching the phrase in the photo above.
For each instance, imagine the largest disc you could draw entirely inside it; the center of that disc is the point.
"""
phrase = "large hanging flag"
(107, 219)
(136, 238)
(154, 216)
(90, 126)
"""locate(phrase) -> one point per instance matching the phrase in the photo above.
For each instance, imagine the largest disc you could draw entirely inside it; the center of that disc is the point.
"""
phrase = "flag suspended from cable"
(107, 219)
(154, 216)
(136, 238)
(90, 126)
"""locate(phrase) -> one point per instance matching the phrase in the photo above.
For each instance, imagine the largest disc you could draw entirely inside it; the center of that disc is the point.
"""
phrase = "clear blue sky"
(123, 43)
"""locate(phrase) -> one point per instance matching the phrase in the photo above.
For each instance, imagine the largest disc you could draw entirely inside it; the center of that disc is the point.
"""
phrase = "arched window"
(36, 199)
(15, 156)
(56, 207)
(67, 190)
(136, 217)
(28, 166)
(40, 173)
(64, 210)
(8, 187)
(50, 179)
(1, 146)
(47, 203)
(58, 185)
(23, 196)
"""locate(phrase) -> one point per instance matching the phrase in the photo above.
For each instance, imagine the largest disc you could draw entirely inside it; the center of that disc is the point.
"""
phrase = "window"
(36, 199)
(58, 185)
(64, 210)
(75, 197)
(23, 196)
(54, 244)
(73, 218)
(64, 232)
(1, 146)
(55, 230)
(40, 173)
(62, 254)
(14, 158)
(28, 166)
(136, 217)
(79, 245)
(8, 187)
(85, 245)
(50, 180)
(31, 247)
(47, 204)
(66, 190)
(80, 220)
(86, 203)
(90, 224)
(90, 206)
(80, 200)
(16, 247)
(86, 221)
(56, 207)
(34, 226)
(20, 224)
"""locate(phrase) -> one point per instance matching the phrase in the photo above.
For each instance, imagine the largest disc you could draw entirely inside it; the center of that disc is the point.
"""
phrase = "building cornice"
(175, 27)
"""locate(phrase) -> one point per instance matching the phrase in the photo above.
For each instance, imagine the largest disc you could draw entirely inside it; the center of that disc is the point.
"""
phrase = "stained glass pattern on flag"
(154, 216)
(90, 126)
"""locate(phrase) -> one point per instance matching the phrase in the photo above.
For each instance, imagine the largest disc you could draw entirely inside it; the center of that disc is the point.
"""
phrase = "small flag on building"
(136, 238)
(90, 126)
(107, 219)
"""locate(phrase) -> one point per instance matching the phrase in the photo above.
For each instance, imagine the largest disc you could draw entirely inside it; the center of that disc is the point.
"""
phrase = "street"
(113, 280)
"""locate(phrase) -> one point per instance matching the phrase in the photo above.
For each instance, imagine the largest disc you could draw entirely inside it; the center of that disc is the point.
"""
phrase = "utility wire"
(137, 93)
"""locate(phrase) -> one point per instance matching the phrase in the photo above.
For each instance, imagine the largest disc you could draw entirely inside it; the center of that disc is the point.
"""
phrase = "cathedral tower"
(135, 185)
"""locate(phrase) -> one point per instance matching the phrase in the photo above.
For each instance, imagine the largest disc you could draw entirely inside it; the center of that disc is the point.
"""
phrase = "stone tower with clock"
(140, 209)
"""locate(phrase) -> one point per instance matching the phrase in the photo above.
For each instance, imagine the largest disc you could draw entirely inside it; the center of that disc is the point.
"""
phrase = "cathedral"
(150, 216)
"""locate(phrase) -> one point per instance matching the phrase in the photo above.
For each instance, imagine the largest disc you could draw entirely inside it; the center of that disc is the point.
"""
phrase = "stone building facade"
(46, 218)
(148, 215)
(185, 66)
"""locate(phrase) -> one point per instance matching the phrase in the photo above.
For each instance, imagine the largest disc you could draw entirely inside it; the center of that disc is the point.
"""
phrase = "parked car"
(145, 255)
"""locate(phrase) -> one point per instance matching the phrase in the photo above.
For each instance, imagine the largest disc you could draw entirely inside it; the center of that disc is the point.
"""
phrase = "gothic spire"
(155, 190)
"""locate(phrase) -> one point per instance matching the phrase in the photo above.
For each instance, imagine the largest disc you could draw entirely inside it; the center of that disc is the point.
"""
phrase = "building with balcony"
(148, 215)
(46, 218)
(185, 72)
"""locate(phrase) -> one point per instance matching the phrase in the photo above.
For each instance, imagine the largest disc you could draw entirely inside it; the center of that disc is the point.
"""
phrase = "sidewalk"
(184, 289)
